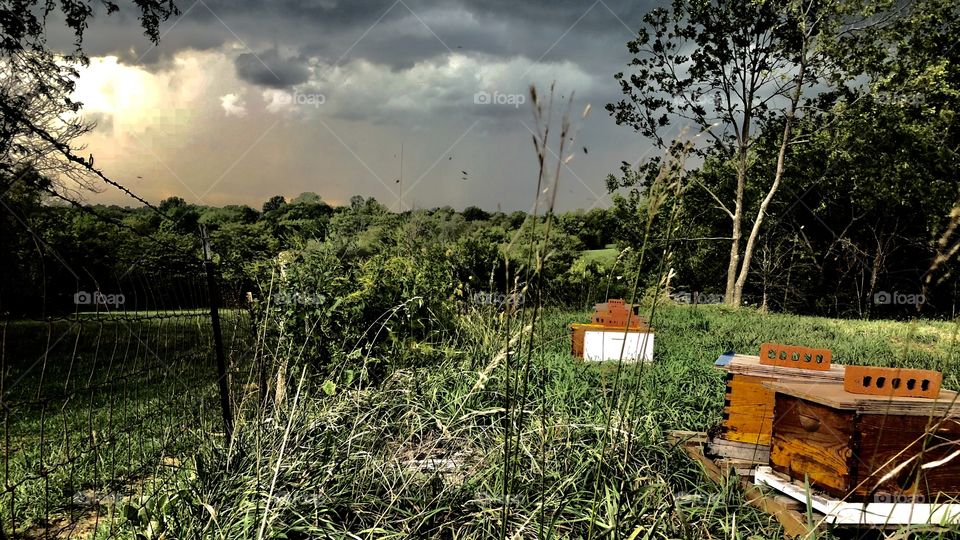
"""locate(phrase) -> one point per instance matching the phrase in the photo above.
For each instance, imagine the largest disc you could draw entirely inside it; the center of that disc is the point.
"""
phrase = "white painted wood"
(607, 345)
(851, 513)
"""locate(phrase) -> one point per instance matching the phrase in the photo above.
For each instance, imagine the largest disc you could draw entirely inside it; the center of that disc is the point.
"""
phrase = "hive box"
(866, 448)
(606, 344)
(748, 404)
(616, 331)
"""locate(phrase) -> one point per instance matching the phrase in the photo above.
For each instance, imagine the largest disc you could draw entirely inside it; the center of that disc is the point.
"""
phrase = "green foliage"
(358, 311)
(420, 455)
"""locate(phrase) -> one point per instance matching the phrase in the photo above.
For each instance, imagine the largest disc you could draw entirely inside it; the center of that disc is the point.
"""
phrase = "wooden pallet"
(787, 511)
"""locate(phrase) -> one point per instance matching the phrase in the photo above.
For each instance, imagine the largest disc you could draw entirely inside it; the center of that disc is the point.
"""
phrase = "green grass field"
(423, 453)
(92, 406)
(605, 256)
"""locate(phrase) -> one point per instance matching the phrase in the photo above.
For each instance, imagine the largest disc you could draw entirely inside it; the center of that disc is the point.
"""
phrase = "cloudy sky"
(243, 100)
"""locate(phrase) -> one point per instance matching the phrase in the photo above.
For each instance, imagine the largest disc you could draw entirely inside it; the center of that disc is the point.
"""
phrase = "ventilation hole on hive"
(881, 381)
(783, 355)
(866, 381)
(925, 385)
(771, 354)
(819, 358)
(795, 357)
(895, 383)
(911, 383)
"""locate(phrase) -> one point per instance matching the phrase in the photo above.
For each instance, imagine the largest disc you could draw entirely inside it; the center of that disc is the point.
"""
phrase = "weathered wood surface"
(920, 443)
(739, 451)
(748, 412)
(849, 454)
(750, 365)
(814, 441)
(833, 395)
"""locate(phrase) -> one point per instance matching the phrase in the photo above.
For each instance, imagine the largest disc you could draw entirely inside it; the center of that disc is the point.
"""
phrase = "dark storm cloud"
(395, 33)
(387, 70)
(270, 69)
(101, 121)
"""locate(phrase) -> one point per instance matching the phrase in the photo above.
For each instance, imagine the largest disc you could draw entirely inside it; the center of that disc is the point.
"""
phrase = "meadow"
(94, 405)
(482, 445)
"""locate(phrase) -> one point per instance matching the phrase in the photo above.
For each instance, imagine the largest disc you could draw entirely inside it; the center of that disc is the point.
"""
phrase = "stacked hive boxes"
(895, 438)
(748, 405)
(616, 331)
(855, 433)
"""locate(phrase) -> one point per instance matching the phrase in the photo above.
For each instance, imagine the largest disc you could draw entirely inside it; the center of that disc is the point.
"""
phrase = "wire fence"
(100, 404)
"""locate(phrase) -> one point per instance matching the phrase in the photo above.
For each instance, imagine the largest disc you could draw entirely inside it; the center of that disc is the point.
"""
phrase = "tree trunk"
(728, 296)
(737, 229)
(874, 274)
(778, 175)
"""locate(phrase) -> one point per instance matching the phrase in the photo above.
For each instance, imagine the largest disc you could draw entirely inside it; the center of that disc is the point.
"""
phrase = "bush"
(339, 314)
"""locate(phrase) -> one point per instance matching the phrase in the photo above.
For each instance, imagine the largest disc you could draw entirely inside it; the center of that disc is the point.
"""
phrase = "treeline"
(475, 257)
(55, 249)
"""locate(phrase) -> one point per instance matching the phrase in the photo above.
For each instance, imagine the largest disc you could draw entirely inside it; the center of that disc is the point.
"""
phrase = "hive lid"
(746, 364)
(833, 395)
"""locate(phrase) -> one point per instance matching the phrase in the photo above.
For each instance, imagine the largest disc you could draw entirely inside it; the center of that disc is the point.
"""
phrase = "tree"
(184, 217)
(274, 203)
(38, 120)
(729, 68)
(474, 213)
(914, 65)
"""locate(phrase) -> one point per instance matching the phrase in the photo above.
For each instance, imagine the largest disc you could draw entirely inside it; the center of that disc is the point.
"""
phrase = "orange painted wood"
(578, 332)
(748, 414)
(881, 381)
(795, 356)
(814, 442)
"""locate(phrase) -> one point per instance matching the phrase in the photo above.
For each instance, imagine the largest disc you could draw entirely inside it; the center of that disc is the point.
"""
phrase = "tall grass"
(421, 455)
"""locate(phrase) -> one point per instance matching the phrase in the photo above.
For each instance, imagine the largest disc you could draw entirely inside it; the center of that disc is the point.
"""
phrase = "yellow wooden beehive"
(748, 404)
